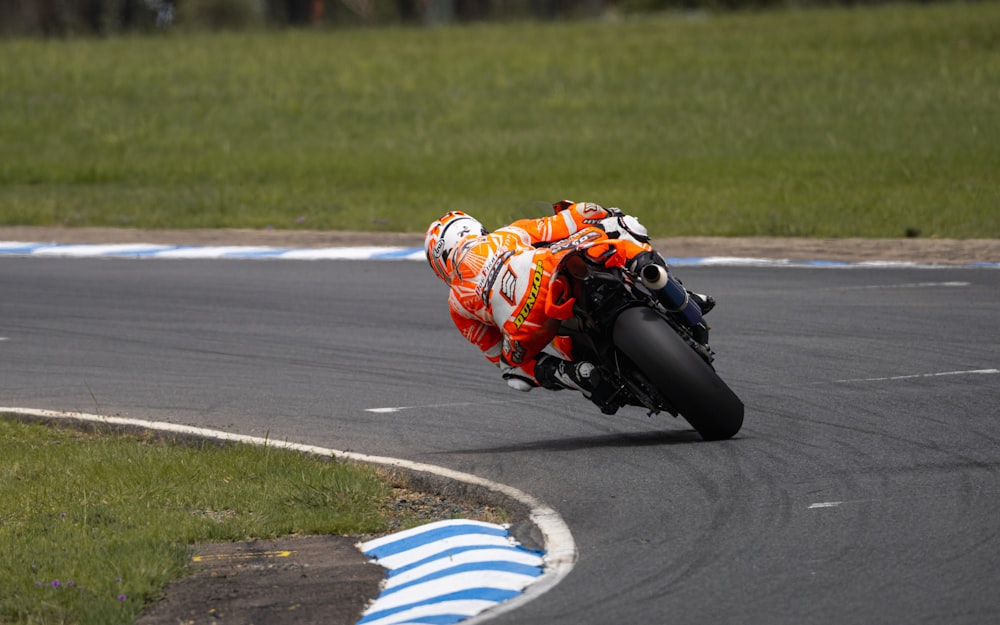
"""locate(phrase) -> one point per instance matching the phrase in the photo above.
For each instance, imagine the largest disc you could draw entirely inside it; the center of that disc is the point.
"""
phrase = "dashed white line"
(905, 285)
(924, 375)
(825, 504)
(389, 409)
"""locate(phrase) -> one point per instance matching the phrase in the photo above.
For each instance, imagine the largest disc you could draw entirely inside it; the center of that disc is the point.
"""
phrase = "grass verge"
(874, 122)
(94, 525)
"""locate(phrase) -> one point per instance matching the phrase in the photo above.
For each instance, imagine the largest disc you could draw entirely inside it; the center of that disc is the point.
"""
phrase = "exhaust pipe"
(671, 294)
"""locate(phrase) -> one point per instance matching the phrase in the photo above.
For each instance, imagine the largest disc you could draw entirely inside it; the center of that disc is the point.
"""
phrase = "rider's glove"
(621, 226)
(642, 259)
(517, 378)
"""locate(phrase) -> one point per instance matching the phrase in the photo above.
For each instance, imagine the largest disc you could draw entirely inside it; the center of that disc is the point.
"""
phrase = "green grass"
(864, 122)
(94, 526)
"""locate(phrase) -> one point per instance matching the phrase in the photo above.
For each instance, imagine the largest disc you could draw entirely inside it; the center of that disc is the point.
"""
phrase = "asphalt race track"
(864, 487)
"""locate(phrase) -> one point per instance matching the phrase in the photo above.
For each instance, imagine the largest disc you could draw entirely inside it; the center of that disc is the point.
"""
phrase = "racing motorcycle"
(645, 333)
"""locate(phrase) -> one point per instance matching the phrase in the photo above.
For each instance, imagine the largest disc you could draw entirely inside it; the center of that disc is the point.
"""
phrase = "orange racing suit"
(503, 298)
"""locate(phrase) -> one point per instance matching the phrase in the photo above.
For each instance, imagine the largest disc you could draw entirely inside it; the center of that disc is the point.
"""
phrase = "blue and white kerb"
(448, 571)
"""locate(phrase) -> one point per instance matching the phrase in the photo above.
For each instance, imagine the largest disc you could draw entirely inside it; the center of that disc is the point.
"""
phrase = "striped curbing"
(142, 250)
(448, 571)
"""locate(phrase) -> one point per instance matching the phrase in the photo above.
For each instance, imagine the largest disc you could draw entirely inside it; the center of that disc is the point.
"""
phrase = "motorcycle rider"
(503, 297)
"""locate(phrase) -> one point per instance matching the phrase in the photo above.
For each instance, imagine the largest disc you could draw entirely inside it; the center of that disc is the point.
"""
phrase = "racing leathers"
(504, 299)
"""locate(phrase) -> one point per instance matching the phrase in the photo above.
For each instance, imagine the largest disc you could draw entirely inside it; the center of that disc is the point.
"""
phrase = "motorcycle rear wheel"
(691, 386)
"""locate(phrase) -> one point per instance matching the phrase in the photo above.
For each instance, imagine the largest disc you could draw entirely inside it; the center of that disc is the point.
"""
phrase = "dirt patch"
(927, 251)
(299, 580)
(307, 579)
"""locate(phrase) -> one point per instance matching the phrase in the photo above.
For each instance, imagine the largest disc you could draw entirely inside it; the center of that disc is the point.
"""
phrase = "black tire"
(679, 373)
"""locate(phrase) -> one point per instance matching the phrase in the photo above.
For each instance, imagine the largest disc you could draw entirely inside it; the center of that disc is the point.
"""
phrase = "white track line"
(560, 548)
(824, 504)
(451, 405)
(924, 375)
(904, 285)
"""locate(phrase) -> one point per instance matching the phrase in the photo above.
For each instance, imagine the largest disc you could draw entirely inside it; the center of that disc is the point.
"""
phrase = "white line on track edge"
(560, 548)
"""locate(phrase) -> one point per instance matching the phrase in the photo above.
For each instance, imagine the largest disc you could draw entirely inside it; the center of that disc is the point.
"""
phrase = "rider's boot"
(705, 302)
(555, 374)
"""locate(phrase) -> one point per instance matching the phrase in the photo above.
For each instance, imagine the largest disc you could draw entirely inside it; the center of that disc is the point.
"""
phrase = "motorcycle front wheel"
(684, 379)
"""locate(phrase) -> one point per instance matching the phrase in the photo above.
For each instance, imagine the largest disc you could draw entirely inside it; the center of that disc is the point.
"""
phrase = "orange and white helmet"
(443, 236)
